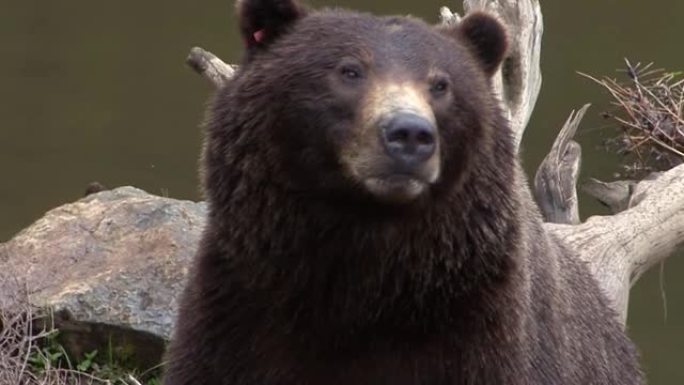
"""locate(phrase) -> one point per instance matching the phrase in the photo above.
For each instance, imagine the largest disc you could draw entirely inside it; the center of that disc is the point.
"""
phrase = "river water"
(97, 91)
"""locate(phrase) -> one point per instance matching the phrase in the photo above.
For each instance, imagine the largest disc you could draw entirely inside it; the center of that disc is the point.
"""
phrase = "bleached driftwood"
(210, 66)
(618, 248)
(556, 178)
(621, 247)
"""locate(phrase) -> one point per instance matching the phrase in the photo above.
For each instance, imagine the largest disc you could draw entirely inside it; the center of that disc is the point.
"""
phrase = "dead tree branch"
(620, 248)
(209, 66)
(554, 184)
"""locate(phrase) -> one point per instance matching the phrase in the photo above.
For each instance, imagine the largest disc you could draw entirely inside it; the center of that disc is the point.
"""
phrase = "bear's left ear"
(487, 37)
(262, 21)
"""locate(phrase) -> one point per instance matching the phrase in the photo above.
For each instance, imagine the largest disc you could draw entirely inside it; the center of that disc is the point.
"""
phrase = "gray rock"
(114, 260)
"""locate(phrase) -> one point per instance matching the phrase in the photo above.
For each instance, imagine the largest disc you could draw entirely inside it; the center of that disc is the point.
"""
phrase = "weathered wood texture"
(210, 66)
(618, 248)
(556, 178)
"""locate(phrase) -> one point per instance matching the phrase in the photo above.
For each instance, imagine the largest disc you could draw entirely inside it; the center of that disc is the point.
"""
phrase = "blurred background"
(97, 91)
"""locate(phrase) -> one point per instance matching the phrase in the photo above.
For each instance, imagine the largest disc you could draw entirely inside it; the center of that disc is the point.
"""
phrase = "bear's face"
(386, 108)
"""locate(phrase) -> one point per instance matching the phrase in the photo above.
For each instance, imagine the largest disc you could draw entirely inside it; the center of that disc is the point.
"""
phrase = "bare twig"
(650, 117)
(19, 342)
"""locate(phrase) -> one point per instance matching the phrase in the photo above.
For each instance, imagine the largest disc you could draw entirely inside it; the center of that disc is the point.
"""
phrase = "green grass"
(113, 366)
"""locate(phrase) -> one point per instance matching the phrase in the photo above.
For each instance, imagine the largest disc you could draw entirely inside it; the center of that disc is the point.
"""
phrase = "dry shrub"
(20, 343)
(649, 112)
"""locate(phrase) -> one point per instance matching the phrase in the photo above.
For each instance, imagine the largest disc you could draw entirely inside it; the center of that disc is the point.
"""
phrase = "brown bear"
(369, 222)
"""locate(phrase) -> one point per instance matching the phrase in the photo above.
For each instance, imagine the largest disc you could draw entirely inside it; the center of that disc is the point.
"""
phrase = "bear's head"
(384, 110)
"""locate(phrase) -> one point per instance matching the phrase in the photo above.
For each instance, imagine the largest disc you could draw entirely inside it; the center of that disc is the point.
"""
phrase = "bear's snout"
(409, 139)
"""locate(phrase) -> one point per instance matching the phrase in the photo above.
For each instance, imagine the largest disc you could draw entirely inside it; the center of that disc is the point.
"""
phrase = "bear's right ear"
(262, 21)
(486, 36)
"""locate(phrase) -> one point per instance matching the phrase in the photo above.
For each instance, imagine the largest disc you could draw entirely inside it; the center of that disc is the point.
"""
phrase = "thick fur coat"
(314, 270)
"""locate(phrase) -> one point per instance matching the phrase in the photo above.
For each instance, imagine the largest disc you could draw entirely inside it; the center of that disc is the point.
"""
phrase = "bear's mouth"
(398, 188)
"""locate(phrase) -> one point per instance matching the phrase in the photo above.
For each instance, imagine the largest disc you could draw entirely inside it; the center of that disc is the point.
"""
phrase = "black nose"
(410, 138)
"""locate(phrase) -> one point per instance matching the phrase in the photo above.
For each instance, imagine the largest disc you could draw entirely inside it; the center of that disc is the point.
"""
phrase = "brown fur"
(303, 277)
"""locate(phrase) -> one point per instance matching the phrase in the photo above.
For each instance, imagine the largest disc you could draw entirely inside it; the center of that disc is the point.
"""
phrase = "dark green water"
(97, 90)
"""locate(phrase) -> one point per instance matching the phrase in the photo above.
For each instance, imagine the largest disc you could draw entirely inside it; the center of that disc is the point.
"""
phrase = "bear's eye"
(351, 72)
(439, 86)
